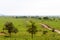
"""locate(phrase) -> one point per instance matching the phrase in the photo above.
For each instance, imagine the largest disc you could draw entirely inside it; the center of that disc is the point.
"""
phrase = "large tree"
(32, 30)
(10, 28)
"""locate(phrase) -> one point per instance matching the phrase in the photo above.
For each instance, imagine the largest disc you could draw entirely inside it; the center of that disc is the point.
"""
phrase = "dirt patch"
(2, 33)
(49, 28)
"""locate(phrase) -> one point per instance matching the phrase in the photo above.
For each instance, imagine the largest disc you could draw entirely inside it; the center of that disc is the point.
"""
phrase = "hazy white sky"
(30, 7)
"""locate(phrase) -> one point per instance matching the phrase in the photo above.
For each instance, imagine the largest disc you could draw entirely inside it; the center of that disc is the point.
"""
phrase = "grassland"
(20, 24)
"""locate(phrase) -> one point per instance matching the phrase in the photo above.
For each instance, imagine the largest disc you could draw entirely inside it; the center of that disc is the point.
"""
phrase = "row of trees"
(38, 17)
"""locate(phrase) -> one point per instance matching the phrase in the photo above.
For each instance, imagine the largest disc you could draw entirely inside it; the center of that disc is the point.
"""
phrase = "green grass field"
(20, 24)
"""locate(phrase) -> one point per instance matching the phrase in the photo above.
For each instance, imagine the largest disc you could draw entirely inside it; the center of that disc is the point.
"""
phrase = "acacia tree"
(10, 28)
(32, 30)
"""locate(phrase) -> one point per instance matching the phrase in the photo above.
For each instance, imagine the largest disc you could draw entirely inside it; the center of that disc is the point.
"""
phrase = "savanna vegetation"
(28, 28)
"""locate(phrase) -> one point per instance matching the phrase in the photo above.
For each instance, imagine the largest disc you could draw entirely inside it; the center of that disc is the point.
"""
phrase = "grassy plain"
(20, 24)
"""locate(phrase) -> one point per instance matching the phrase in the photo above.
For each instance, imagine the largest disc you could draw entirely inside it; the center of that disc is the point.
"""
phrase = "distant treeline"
(39, 17)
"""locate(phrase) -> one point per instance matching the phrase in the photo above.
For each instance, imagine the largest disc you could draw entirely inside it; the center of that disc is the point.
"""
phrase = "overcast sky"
(30, 7)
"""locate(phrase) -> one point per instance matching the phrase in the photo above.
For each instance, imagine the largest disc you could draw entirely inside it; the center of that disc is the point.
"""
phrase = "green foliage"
(44, 32)
(46, 18)
(24, 35)
(40, 18)
(10, 27)
(32, 29)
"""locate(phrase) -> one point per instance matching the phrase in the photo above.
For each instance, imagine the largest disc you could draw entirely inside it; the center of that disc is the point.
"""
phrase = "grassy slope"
(23, 35)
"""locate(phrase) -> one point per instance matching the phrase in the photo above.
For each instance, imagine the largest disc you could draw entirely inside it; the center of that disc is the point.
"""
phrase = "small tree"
(32, 30)
(10, 28)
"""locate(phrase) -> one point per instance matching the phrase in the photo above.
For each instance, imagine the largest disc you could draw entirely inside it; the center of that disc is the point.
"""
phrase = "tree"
(32, 30)
(46, 18)
(40, 18)
(10, 28)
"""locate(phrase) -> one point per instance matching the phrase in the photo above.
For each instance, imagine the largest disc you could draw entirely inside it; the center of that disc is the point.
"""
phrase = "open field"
(20, 24)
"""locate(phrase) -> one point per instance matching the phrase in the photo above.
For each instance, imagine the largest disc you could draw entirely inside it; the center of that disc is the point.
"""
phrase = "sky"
(30, 7)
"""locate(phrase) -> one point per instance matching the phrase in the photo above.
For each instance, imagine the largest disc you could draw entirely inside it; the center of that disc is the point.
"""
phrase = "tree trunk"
(32, 36)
